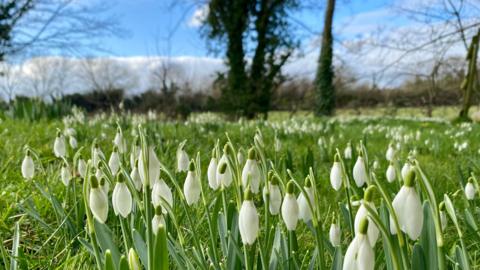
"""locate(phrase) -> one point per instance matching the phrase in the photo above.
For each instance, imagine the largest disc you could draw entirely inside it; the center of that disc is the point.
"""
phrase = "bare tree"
(9, 79)
(106, 74)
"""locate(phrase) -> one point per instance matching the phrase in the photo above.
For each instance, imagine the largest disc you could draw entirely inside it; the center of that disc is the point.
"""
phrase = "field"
(47, 222)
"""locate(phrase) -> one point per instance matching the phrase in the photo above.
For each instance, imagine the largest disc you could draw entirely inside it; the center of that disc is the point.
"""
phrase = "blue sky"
(149, 22)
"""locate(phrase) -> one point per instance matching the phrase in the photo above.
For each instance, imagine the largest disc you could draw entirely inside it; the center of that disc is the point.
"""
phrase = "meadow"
(177, 212)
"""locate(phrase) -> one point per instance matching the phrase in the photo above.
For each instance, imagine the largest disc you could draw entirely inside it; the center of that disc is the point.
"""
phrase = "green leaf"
(105, 240)
(428, 240)
(160, 250)
(123, 265)
(109, 265)
(140, 247)
(15, 247)
(418, 258)
(337, 259)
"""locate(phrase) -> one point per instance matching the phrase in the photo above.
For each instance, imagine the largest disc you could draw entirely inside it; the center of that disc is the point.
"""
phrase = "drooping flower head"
(290, 209)
(248, 220)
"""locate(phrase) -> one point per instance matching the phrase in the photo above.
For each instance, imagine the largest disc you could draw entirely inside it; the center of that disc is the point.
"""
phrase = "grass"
(47, 243)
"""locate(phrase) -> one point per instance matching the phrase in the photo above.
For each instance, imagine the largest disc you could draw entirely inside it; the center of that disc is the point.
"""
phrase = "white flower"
(114, 162)
(348, 151)
(362, 213)
(469, 191)
(70, 131)
(97, 155)
(98, 202)
(391, 173)
(153, 167)
(212, 173)
(104, 185)
(305, 212)
(182, 160)
(28, 167)
(360, 254)
(240, 157)
(336, 175)
(158, 220)
(121, 198)
(59, 146)
(405, 169)
(408, 209)
(160, 192)
(290, 210)
(335, 235)
(82, 167)
(120, 142)
(360, 172)
(191, 187)
(390, 153)
(137, 181)
(376, 165)
(65, 174)
(251, 173)
(274, 196)
(277, 144)
(224, 175)
(73, 142)
(248, 221)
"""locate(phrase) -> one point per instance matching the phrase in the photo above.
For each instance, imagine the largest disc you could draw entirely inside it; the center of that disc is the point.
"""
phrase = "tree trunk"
(325, 91)
(471, 81)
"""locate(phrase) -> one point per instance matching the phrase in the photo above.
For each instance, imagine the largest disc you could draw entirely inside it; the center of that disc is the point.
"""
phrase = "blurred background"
(243, 58)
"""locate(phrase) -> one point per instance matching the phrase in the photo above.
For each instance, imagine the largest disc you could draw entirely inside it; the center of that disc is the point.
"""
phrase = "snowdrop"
(348, 151)
(277, 145)
(360, 172)
(391, 174)
(120, 142)
(248, 221)
(271, 192)
(408, 209)
(160, 192)
(59, 148)
(305, 212)
(470, 190)
(73, 142)
(251, 172)
(224, 172)
(104, 185)
(290, 210)
(82, 167)
(65, 174)
(362, 213)
(390, 155)
(360, 254)
(336, 174)
(121, 198)
(191, 187)
(28, 167)
(114, 161)
(405, 169)
(158, 220)
(152, 169)
(335, 234)
(135, 175)
(212, 172)
(182, 159)
(98, 201)
(97, 155)
(240, 157)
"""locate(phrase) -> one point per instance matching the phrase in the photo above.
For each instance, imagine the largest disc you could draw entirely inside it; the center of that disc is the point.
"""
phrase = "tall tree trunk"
(470, 83)
(325, 91)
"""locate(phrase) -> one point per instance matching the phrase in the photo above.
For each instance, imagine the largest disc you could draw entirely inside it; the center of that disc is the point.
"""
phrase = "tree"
(105, 74)
(248, 88)
(325, 90)
(11, 12)
(471, 83)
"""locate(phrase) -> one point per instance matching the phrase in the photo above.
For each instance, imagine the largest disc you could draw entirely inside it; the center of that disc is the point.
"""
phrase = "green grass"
(45, 243)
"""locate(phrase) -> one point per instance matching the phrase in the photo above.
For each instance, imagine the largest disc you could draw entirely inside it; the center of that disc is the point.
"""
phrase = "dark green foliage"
(325, 90)
(11, 11)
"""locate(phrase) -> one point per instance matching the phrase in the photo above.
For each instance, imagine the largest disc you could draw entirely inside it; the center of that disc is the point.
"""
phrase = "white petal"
(359, 172)
(28, 168)
(212, 174)
(335, 234)
(161, 190)
(391, 174)
(182, 161)
(290, 212)
(336, 176)
(248, 222)
(191, 188)
(153, 167)
(365, 256)
(59, 146)
(99, 204)
(122, 200)
(413, 215)
(350, 260)
(156, 222)
(114, 162)
(251, 173)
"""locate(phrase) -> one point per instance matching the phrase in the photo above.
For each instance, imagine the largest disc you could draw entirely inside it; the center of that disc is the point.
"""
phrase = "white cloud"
(199, 16)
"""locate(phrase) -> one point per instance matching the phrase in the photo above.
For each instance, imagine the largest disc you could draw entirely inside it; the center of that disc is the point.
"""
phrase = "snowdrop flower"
(161, 192)
(290, 210)
(251, 172)
(240, 157)
(59, 148)
(97, 155)
(391, 174)
(360, 254)
(28, 167)
(82, 167)
(405, 169)
(121, 198)
(305, 213)
(191, 188)
(70, 131)
(158, 220)
(348, 151)
(120, 142)
(443, 216)
(153, 167)
(335, 234)
(360, 172)
(277, 145)
(65, 174)
(273, 195)
(408, 208)
(73, 142)
(362, 213)
(182, 159)
(114, 161)
(98, 201)
(470, 190)
(224, 173)
(212, 172)
(133, 261)
(336, 174)
(390, 153)
(104, 185)
(376, 165)
(248, 221)
(135, 175)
